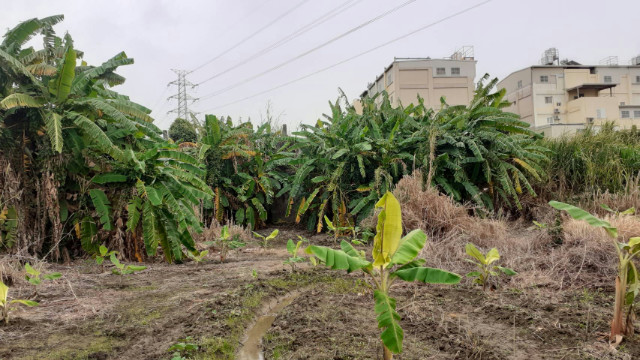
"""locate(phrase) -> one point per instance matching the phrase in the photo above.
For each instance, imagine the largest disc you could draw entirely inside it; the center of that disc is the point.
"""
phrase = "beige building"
(406, 78)
(563, 99)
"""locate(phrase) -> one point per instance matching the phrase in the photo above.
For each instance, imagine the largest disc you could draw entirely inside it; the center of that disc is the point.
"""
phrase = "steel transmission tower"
(183, 98)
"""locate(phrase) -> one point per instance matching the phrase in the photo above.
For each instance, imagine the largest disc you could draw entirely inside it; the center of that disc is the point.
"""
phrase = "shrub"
(182, 130)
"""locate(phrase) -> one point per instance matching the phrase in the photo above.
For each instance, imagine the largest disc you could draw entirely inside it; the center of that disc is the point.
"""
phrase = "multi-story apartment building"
(406, 78)
(562, 99)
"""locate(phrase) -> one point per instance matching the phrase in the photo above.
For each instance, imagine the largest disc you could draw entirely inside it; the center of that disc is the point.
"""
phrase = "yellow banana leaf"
(389, 230)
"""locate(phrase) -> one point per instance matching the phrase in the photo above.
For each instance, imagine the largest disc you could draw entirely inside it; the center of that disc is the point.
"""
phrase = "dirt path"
(89, 314)
(252, 341)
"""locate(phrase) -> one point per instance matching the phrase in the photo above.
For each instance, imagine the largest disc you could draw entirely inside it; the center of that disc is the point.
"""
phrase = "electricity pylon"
(183, 98)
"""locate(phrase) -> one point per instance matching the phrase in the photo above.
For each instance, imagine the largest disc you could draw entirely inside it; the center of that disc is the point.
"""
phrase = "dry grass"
(10, 270)
(428, 210)
(212, 232)
(585, 258)
(621, 201)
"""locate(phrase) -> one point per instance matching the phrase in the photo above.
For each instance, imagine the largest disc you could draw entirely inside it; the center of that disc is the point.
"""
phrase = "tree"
(182, 130)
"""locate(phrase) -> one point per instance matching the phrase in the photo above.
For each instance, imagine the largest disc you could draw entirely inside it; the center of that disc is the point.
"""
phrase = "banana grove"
(84, 166)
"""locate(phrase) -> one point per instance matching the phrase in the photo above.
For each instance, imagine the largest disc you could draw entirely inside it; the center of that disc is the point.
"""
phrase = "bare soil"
(92, 314)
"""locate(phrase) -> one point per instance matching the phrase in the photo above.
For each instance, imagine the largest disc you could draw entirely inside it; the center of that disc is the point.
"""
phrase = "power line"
(155, 104)
(355, 56)
(250, 36)
(313, 24)
(352, 30)
(242, 19)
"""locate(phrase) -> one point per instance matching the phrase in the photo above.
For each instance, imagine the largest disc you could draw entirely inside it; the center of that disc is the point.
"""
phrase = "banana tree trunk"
(617, 324)
(388, 355)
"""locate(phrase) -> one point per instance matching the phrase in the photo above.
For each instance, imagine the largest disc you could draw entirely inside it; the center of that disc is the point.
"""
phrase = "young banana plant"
(484, 262)
(122, 269)
(394, 257)
(33, 277)
(6, 304)
(629, 211)
(198, 256)
(266, 239)
(627, 281)
(292, 249)
(226, 243)
(103, 253)
(340, 230)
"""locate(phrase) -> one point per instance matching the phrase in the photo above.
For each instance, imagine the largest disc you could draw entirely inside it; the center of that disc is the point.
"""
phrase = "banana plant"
(484, 262)
(103, 253)
(164, 187)
(6, 304)
(226, 243)
(122, 269)
(394, 258)
(340, 230)
(627, 280)
(479, 152)
(629, 211)
(244, 167)
(266, 239)
(197, 256)
(33, 277)
(339, 172)
(8, 226)
(292, 249)
(59, 115)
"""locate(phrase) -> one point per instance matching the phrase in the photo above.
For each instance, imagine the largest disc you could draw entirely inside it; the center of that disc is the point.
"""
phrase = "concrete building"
(559, 99)
(406, 78)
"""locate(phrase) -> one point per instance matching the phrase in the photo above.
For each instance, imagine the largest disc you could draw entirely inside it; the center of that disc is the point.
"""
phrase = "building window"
(455, 71)
(550, 120)
(380, 85)
(625, 114)
(544, 78)
(519, 84)
(441, 71)
(391, 99)
(601, 114)
(638, 79)
(548, 99)
(389, 78)
(607, 79)
(636, 114)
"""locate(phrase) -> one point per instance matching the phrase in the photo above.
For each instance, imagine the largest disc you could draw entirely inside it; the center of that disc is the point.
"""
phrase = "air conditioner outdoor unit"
(558, 104)
(556, 118)
(556, 111)
(590, 120)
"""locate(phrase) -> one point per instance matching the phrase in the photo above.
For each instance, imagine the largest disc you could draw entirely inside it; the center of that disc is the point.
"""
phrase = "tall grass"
(590, 162)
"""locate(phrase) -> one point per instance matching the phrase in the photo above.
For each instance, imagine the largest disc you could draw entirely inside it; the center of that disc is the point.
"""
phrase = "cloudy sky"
(225, 40)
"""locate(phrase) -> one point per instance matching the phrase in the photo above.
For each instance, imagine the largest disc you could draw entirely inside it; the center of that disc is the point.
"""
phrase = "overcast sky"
(161, 35)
